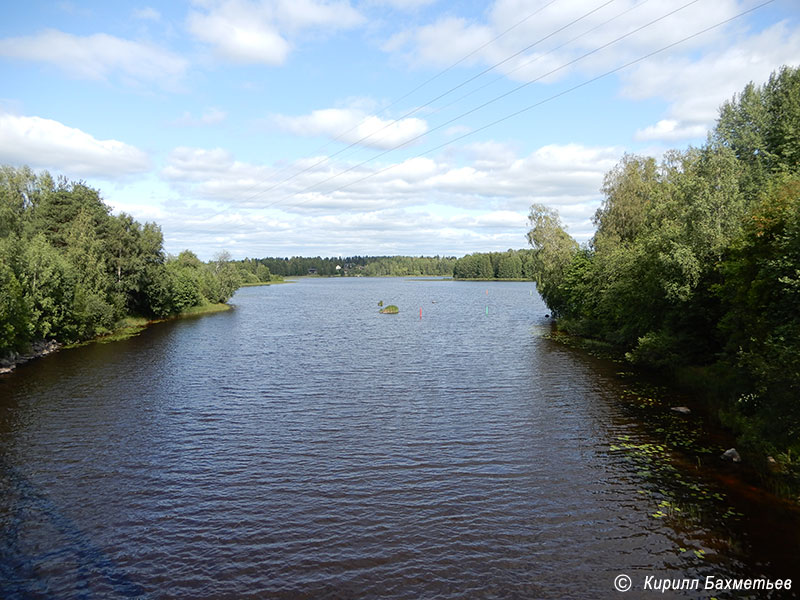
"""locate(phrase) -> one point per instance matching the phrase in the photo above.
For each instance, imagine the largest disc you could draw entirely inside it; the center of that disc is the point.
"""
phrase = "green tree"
(762, 296)
(628, 190)
(509, 266)
(14, 315)
(554, 250)
(48, 280)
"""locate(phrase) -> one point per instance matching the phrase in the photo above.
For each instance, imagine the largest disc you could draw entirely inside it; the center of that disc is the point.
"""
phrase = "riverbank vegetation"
(695, 267)
(71, 271)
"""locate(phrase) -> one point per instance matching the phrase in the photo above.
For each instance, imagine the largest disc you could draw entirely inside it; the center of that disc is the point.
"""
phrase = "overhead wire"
(523, 110)
(489, 102)
(429, 102)
(538, 57)
(340, 136)
(558, 95)
(456, 87)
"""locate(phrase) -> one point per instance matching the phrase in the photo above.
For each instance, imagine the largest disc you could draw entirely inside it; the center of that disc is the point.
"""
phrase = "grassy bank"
(260, 283)
(132, 325)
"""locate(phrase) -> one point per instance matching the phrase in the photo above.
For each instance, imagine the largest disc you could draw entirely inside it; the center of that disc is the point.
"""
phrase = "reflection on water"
(305, 446)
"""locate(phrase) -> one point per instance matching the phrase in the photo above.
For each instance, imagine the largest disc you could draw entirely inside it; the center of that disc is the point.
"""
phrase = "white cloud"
(197, 164)
(693, 78)
(457, 130)
(473, 198)
(239, 37)
(696, 87)
(301, 14)
(670, 130)
(99, 57)
(211, 116)
(256, 32)
(353, 126)
(44, 143)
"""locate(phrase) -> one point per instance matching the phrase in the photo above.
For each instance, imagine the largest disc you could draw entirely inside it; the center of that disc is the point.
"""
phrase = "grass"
(204, 309)
(131, 326)
(260, 283)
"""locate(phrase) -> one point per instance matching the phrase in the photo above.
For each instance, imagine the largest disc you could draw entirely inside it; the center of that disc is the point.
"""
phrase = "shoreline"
(38, 350)
(262, 283)
(755, 470)
(126, 328)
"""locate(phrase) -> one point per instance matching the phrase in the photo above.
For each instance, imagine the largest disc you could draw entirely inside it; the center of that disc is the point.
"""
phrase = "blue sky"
(312, 127)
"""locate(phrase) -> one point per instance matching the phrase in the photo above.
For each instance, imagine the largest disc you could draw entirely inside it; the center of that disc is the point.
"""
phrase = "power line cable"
(385, 108)
(493, 100)
(558, 95)
(439, 97)
(540, 56)
(462, 84)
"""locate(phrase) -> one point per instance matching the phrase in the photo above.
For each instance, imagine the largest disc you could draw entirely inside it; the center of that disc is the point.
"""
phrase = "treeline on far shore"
(367, 266)
(511, 264)
(71, 271)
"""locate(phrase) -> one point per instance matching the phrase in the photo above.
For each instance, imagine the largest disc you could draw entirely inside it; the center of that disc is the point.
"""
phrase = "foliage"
(554, 250)
(368, 266)
(696, 260)
(70, 270)
(512, 264)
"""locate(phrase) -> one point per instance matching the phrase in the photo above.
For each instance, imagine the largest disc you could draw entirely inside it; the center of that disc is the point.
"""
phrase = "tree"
(628, 190)
(227, 276)
(762, 296)
(49, 282)
(554, 250)
(14, 316)
(262, 272)
(509, 266)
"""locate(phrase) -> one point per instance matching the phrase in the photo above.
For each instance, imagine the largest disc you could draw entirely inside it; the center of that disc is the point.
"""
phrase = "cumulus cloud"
(693, 78)
(44, 143)
(99, 57)
(353, 126)
(695, 87)
(671, 130)
(530, 40)
(257, 32)
(475, 197)
(405, 5)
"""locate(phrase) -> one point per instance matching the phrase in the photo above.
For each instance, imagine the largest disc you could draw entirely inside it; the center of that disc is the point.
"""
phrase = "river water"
(304, 446)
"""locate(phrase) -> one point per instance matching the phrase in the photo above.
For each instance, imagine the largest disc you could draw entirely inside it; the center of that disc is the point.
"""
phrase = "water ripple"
(303, 446)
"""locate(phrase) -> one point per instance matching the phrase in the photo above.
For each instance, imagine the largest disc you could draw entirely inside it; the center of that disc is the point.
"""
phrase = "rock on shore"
(38, 349)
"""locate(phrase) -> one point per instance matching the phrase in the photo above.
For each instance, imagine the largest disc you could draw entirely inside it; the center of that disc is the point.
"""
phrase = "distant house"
(312, 271)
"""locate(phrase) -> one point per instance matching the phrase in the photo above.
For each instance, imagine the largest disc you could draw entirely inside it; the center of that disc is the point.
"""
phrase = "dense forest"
(512, 264)
(70, 270)
(370, 266)
(696, 261)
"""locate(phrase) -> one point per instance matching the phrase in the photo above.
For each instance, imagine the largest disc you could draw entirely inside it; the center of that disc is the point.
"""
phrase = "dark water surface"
(304, 446)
